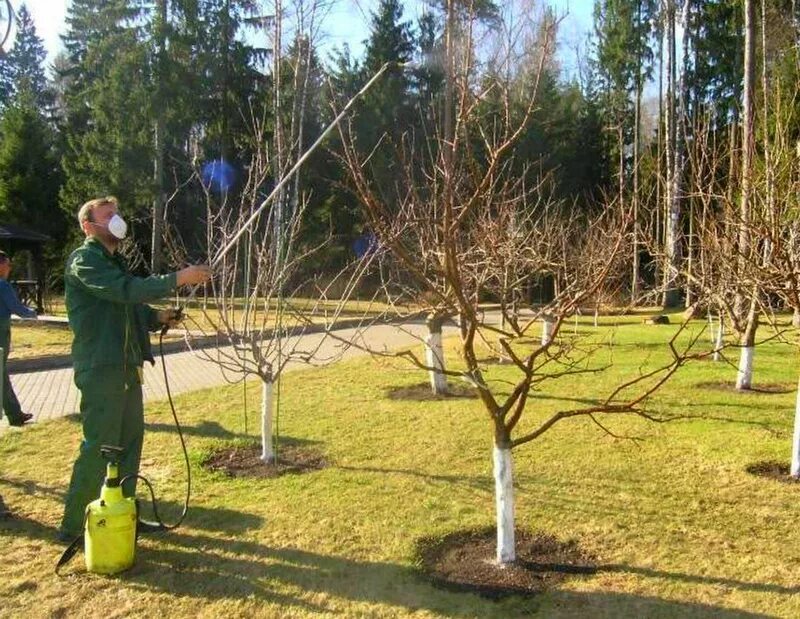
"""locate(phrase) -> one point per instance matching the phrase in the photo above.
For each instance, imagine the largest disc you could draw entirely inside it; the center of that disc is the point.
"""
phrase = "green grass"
(679, 527)
(34, 339)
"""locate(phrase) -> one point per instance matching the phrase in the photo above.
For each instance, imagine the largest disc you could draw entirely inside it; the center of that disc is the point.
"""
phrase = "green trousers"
(11, 405)
(112, 414)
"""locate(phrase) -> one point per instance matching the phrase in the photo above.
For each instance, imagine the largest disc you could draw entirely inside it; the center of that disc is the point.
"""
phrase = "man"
(110, 323)
(9, 304)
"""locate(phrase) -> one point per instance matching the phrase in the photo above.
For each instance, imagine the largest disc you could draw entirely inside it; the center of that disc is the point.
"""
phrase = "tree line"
(146, 95)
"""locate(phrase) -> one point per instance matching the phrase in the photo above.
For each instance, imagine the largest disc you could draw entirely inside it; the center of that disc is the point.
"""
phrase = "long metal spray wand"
(302, 159)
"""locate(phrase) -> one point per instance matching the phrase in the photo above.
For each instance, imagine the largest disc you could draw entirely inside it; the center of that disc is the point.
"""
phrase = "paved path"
(52, 393)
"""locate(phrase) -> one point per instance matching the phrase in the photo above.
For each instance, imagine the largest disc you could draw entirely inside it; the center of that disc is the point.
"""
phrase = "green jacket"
(106, 310)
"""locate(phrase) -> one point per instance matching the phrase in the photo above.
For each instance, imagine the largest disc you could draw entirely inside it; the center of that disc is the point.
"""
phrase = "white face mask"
(117, 227)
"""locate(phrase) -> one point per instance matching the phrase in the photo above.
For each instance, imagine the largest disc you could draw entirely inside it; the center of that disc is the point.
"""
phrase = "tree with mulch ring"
(244, 460)
(465, 561)
(772, 469)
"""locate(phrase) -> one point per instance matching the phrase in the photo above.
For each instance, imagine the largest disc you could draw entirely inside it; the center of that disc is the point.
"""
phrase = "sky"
(347, 22)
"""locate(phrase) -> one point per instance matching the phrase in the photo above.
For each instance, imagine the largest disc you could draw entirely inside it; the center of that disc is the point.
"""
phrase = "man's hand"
(195, 274)
(170, 317)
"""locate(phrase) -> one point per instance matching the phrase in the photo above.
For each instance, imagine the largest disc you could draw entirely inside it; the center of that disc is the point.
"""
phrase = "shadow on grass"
(204, 429)
(212, 519)
(211, 568)
(598, 604)
(479, 483)
(741, 585)
(31, 487)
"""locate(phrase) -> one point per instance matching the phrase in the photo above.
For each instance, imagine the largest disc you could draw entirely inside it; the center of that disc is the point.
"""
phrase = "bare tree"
(462, 225)
(251, 306)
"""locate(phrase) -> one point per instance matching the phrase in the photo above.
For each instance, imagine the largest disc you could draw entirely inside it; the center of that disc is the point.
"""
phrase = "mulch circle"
(772, 469)
(421, 392)
(245, 461)
(465, 561)
(764, 388)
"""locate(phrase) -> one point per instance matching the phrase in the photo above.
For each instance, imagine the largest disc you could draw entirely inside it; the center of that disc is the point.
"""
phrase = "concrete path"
(52, 393)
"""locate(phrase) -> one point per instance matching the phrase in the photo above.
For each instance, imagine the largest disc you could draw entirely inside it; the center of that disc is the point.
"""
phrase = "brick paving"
(49, 394)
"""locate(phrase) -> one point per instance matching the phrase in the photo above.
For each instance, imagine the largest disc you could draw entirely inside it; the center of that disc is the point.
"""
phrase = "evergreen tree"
(385, 108)
(108, 107)
(6, 80)
(27, 59)
(29, 171)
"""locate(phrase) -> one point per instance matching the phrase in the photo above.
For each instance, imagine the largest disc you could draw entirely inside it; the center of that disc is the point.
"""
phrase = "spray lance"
(112, 523)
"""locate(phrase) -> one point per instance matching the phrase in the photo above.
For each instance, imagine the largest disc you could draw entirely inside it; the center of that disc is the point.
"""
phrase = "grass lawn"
(676, 524)
(33, 339)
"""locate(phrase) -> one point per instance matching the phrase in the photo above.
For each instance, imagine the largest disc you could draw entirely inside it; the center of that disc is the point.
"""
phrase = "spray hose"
(145, 526)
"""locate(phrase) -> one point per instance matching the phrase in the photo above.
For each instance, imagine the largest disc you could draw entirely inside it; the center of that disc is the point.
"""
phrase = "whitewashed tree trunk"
(744, 378)
(547, 331)
(267, 447)
(795, 470)
(796, 318)
(720, 341)
(504, 500)
(596, 315)
(434, 356)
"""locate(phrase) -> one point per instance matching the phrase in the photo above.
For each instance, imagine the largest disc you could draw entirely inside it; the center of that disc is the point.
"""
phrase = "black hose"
(159, 524)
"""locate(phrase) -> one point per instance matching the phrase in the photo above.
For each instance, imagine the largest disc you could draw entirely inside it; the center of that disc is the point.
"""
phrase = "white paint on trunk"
(596, 315)
(744, 378)
(795, 470)
(267, 449)
(720, 341)
(547, 331)
(796, 314)
(504, 500)
(434, 358)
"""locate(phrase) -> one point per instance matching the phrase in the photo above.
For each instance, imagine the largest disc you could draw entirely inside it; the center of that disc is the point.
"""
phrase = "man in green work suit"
(110, 323)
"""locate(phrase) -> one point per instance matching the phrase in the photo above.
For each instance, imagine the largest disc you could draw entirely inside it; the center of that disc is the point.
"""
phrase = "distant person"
(10, 304)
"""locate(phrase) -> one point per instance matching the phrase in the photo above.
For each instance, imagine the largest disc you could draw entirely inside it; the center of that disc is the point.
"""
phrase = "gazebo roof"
(11, 232)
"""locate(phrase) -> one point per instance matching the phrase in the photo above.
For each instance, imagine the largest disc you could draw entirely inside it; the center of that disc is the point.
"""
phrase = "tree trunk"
(796, 317)
(267, 446)
(156, 250)
(720, 340)
(672, 204)
(748, 143)
(547, 330)
(434, 355)
(504, 501)
(635, 197)
(795, 469)
(744, 376)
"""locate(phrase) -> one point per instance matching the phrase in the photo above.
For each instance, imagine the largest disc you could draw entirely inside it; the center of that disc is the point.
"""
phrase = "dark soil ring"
(421, 392)
(245, 461)
(772, 469)
(465, 561)
(761, 388)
